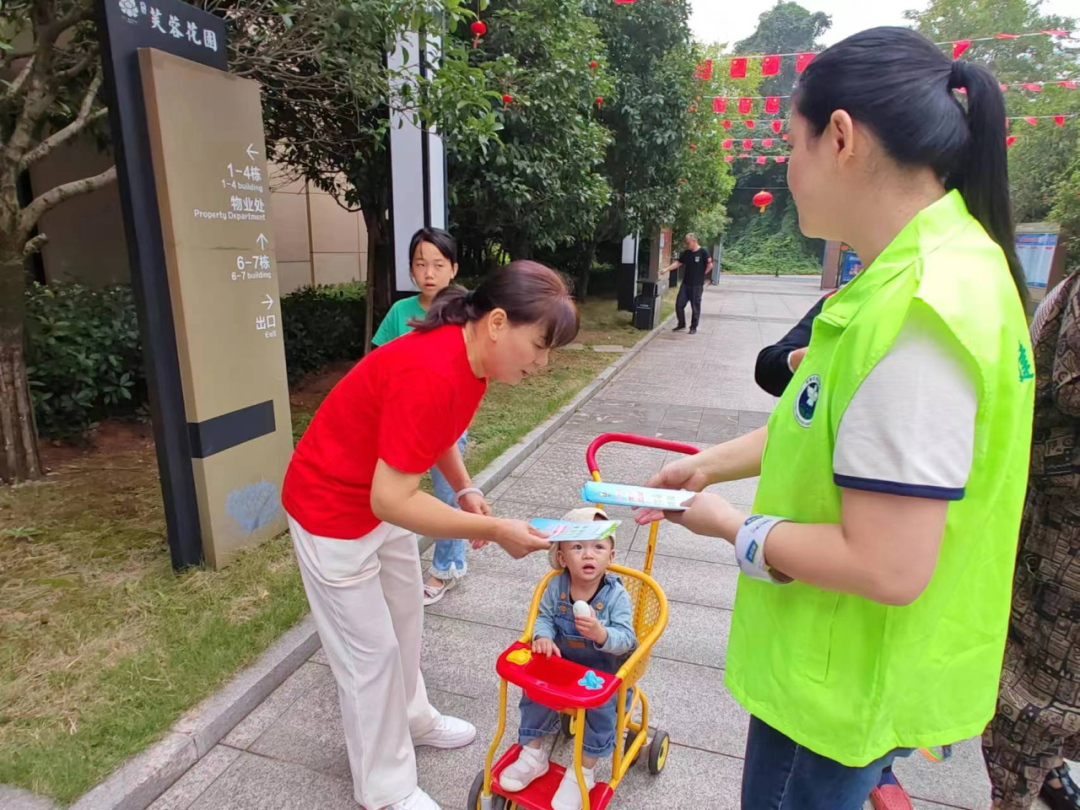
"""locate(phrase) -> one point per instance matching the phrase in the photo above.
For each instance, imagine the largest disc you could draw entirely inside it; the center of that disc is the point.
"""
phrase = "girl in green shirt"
(433, 267)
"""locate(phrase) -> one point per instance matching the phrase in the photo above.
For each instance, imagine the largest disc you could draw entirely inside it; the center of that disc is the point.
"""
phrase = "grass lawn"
(103, 647)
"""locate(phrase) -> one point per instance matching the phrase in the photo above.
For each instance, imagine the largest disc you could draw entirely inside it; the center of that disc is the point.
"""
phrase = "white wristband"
(750, 546)
(467, 491)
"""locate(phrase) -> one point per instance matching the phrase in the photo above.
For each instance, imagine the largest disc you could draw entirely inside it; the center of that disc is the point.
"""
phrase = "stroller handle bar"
(632, 438)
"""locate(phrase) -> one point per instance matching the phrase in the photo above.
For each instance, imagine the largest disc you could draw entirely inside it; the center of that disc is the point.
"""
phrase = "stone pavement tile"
(684, 415)
(695, 634)
(593, 429)
(643, 392)
(266, 713)
(310, 733)
(698, 583)
(447, 775)
(719, 435)
(691, 780)
(459, 656)
(676, 434)
(548, 487)
(960, 781)
(189, 787)
(320, 657)
(675, 541)
(755, 400)
(692, 704)
(503, 485)
(610, 406)
(512, 510)
(257, 783)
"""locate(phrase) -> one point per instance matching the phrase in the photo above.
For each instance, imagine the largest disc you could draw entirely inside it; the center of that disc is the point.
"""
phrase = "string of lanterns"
(771, 63)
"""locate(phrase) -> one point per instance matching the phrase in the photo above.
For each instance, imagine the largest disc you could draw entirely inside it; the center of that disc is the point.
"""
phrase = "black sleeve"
(684, 257)
(772, 372)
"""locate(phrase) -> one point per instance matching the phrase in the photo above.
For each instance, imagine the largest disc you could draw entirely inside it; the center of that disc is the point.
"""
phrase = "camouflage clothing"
(1038, 715)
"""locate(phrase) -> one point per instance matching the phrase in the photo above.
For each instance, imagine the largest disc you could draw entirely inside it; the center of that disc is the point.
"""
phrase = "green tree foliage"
(1066, 210)
(770, 242)
(1041, 153)
(329, 96)
(541, 186)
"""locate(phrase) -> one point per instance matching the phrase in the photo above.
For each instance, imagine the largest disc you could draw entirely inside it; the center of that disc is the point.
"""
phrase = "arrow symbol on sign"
(269, 302)
(262, 241)
(252, 151)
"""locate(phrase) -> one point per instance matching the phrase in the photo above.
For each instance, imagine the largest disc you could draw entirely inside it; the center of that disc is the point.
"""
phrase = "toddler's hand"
(590, 627)
(545, 646)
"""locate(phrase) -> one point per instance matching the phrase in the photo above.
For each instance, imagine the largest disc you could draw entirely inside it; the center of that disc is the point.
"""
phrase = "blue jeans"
(449, 560)
(779, 774)
(538, 720)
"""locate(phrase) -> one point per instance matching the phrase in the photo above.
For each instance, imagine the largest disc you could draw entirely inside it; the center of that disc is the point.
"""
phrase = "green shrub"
(84, 356)
(771, 243)
(322, 324)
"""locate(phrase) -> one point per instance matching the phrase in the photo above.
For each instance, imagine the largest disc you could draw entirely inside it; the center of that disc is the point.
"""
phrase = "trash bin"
(647, 306)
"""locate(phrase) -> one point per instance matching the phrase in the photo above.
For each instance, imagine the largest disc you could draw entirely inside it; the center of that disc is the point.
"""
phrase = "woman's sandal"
(1065, 797)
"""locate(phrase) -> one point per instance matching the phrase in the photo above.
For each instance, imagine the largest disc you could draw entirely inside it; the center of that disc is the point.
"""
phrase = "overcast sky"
(727, 21)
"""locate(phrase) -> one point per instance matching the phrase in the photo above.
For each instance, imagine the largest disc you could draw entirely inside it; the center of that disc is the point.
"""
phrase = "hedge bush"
(84, 350)
(84, 356)
(322, 324)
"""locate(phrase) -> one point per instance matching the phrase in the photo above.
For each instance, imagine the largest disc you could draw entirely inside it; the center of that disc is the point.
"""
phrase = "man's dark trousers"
(691, 295)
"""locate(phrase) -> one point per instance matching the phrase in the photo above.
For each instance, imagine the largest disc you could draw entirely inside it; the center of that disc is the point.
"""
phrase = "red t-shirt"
(407, 404)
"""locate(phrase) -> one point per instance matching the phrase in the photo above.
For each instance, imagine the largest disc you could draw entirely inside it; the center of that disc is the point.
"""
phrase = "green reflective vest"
(852, 679)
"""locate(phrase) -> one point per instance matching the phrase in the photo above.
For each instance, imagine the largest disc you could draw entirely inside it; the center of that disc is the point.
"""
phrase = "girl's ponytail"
(983, 174)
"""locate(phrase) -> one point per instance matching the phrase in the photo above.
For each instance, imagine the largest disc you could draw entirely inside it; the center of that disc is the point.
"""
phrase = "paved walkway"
(290, 752)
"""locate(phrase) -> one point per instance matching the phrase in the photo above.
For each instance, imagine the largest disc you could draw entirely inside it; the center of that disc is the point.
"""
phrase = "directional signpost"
(194, 181)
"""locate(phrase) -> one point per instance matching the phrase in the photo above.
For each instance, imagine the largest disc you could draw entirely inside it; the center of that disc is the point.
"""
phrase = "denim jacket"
(555, 620)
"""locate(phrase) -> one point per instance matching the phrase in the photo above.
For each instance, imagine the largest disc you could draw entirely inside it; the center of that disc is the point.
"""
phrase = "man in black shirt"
(696, 263)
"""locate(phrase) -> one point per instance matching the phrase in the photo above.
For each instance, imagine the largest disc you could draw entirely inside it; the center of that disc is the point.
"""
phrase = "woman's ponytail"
(528, 292)
(983, 174)
(454, 305)
(902, 85)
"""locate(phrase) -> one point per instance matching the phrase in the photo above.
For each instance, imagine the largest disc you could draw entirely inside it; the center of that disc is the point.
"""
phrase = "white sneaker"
(568, 796)
(531, 764)
(450, 732)
(433, 593)
(418, 800)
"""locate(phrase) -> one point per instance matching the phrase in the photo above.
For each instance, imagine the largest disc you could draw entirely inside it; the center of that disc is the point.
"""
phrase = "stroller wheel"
(658, 752)
(476, 796)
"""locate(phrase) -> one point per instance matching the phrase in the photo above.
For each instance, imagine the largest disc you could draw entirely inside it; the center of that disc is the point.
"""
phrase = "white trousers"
(366, 597)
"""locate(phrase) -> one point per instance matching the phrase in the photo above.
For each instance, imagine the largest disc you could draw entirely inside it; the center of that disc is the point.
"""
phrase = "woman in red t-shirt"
(355, 506)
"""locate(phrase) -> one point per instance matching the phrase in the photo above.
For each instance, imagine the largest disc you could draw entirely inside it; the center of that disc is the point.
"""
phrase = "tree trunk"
(380, 283)
(588, 253)
(19, 456)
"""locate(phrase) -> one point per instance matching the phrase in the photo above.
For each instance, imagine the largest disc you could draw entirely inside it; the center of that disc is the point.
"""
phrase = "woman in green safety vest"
(872, 610)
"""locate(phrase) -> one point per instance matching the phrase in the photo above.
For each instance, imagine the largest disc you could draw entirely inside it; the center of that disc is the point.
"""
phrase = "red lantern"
(507, 98)
(479, 28)
(599, 101)
(762, 200)
(593, 65)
